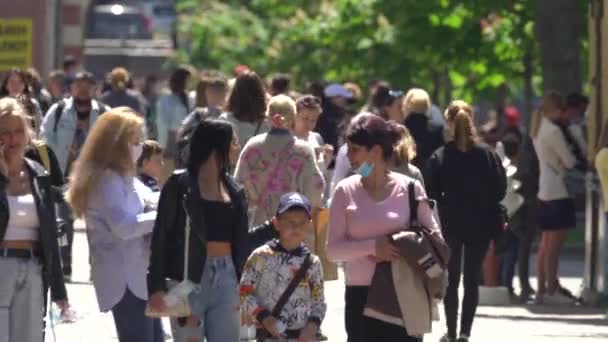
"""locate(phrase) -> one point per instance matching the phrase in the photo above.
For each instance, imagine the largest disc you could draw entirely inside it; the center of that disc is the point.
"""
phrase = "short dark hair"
(213, 81)
(370, 130)
(308, 102)
(574, 100)
(150, 148)
(279, 84)
(247, 99)
(69, 61)
(210, 135)
(178, 80)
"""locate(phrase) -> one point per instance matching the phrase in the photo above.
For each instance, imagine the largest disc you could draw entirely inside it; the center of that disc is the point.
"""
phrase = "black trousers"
(466, 259)
(360, 328)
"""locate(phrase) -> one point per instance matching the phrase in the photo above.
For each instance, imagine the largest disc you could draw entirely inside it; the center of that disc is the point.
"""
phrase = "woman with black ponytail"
(468, 181)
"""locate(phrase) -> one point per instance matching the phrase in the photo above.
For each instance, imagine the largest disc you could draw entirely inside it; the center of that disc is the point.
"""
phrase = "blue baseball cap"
(294, 200)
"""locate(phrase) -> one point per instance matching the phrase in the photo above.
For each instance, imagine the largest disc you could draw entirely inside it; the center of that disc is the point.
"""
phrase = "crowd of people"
(209, 206)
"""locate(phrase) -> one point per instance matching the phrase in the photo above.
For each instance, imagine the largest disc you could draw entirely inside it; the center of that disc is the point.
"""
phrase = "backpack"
(61, 106)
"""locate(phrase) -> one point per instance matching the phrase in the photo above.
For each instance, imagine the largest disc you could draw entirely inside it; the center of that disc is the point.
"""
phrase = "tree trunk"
(558, 33)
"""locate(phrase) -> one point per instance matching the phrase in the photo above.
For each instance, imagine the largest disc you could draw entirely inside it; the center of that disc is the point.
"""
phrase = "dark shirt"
(150, 182)
(427, 135)
(128, 98)
(219, 220)
(329, 124)
(467, 187)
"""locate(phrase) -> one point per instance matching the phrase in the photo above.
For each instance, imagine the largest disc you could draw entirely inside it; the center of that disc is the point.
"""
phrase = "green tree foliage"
(460, 48)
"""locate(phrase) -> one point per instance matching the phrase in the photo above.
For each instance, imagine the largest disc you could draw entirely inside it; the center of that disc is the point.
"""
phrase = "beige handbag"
(176, 300)
(321, 223)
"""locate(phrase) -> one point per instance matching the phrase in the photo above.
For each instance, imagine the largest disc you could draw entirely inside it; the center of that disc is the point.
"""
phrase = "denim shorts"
(216, 302)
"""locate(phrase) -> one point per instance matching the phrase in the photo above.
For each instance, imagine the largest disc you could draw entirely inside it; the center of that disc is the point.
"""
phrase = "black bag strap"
(276, 311)
(411, 192)
(58, 114)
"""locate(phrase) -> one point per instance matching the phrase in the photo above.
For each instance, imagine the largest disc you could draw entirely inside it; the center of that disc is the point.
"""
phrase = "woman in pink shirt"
(365, 209)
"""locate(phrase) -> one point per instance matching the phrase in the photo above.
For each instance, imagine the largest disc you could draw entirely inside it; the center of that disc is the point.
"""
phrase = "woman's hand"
(385, 250)
(157, 302)
(67, 315)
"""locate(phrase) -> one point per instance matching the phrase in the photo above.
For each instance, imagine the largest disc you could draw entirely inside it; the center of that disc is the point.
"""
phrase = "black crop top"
(219, 219)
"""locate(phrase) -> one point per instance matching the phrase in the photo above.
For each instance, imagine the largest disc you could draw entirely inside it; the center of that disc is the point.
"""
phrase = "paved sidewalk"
(508, 323)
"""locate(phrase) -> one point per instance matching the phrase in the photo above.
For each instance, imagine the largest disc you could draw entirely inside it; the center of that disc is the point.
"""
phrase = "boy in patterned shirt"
(270, 269)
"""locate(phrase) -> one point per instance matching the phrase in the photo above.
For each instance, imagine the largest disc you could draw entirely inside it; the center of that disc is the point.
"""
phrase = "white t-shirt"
(555, 158)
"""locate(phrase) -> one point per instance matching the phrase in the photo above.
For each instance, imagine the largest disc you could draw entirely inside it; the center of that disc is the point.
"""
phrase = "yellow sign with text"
(15, 43)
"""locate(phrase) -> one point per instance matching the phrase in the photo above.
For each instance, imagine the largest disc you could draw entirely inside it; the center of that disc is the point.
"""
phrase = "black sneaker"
(446, 338)
(320, 336)
(462, 338)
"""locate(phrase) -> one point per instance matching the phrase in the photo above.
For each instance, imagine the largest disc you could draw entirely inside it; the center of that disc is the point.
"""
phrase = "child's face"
(153, 167)
(293, 226)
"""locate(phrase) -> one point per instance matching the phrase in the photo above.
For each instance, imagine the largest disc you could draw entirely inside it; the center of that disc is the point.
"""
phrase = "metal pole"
(593, 211)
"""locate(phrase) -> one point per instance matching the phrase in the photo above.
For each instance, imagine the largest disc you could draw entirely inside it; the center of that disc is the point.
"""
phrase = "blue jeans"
(215, 302)
(21, 300)
(131, 323)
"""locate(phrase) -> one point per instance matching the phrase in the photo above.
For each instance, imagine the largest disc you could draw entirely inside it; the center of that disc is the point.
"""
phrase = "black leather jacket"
(167, 258)
(43, 196)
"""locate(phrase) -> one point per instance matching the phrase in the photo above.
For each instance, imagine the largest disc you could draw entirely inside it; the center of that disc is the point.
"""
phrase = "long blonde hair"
(12, 106)
(106, 147)
(464, 133)
(552, 101)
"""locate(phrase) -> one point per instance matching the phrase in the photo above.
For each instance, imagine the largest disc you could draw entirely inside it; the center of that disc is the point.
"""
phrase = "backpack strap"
(58, 113)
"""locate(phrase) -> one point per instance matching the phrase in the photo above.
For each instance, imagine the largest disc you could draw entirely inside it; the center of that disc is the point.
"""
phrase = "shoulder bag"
(176, 299)
(262, 334)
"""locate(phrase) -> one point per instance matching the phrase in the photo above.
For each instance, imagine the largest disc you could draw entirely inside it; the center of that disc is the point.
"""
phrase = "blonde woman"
(556, 209)
(29, 253)
(428, 135)
(104, 190)
(468, 181)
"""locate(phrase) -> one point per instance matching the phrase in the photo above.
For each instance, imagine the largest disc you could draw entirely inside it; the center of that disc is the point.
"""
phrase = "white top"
(23, 223)
(555, 158)
(316, 141)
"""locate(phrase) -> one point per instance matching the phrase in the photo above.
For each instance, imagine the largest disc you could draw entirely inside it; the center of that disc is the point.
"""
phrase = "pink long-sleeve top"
(356, 221)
